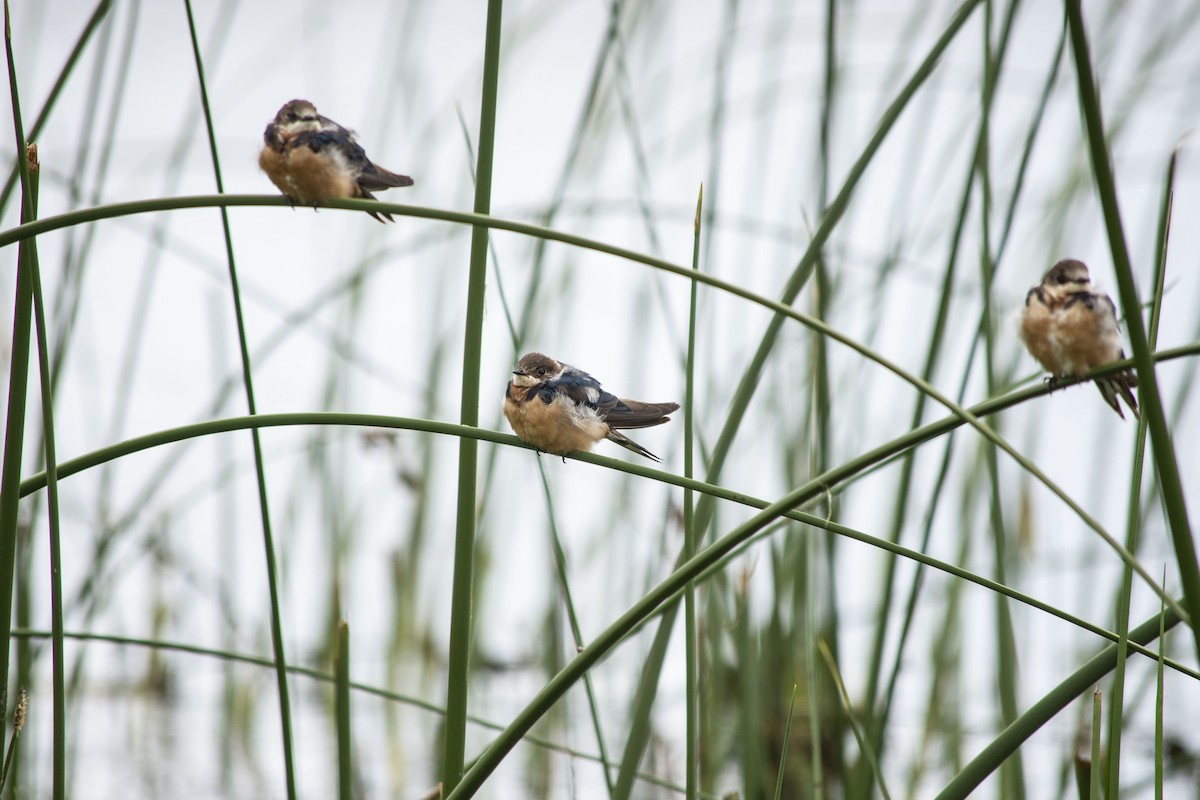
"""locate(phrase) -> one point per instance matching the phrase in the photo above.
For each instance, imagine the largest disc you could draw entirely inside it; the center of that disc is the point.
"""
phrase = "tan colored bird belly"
(1069, 341)
(1037, 332)
(1084, 341)
(305, 176)
(556, 427)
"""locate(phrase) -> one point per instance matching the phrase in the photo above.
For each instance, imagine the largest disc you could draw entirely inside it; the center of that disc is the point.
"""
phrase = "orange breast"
(1086, 339)
(1037, 332)
(305, 176)
(1067, 337)
(554, 427)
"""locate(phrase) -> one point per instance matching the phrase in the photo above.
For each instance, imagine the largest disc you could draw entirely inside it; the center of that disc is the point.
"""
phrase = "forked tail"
(1119, 386)
(630, 444)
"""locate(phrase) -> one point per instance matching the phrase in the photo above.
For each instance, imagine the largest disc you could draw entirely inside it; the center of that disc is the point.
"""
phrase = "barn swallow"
(558, 408)
(1071, 329)
(311, 158)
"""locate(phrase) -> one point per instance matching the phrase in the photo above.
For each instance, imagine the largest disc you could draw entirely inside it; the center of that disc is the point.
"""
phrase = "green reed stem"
(1094, 787)
(864, 743)
(821, 424)
(285, 714)
(1159, 755)
(1173, 497)
(1012, 777)
(691, 643)
(560, 567)
(58, 658)
(1041, 712)
(454, 750)
(640, 724)
(787, 736)
(341, 671)
(18, 386)
(560, 560)
(1133, 516)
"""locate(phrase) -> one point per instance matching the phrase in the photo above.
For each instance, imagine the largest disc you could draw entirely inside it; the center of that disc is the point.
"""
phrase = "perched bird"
(311, 158)
(558, 408)
(1071, 328)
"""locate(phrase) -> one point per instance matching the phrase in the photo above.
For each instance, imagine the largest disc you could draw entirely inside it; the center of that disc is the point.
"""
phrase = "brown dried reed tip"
(31, 156)
(436, 793)
(19, 714)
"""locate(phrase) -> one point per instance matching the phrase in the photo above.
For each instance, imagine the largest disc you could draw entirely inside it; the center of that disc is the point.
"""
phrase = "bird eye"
(1063, 279)
(541, 372)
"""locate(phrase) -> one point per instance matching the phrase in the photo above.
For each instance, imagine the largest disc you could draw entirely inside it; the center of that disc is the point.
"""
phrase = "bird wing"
(373, 177)
(318, 141)
(635, 414)
(581, 388)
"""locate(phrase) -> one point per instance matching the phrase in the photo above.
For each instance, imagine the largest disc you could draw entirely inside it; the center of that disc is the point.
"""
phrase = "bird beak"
(519, 372)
